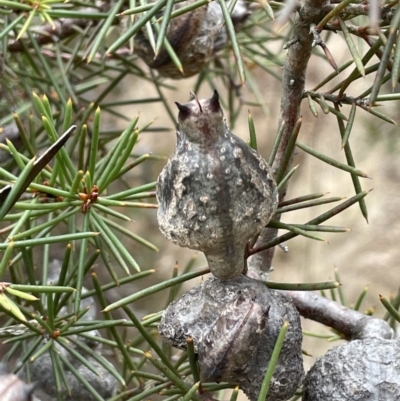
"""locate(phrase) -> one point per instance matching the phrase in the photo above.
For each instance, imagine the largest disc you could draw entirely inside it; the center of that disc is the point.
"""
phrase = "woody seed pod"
(361, 370)
(215, 192)
(195, 37)
(234, 325)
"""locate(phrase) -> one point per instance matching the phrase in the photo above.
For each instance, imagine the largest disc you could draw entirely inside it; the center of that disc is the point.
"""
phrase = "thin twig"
(62, 27)
(293, 82)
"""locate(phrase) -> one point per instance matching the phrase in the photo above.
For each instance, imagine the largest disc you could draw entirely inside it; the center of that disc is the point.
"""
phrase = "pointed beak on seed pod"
(196, 106)
(214, 103)
(201, 119)
(184, 111)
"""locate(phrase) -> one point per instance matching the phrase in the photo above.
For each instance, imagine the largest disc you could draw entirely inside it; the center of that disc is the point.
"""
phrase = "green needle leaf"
(12, 308)
(190, 394)
(331, 161)
(42, 350)
(153, 344)
(94, 144)
(361, 298)
(312, 107)
(106, 25)
(192, 360)
(294, 229)
(232, 36)
(326, 229)
(379, 115)
(349, 125)
(27, 23)
(275, 146)
(18, 189)
(235, 394)
(252, 131)
(396, 64)
(318, 220)
(50, 240)
(389, 307)
(324, 106)
(302, 199)
(170, 374)
(288, 151)
(352, 47)
(304, 205)
(21, 294)
(139, 24)
(350, 162)
(286, 178)
(155, 288)
(387, 52)
(42, 288)
(164, 25)
(24, 135)
(6, 258)
(183, 10)
(115, 245)
(273, 361)
(302, 286)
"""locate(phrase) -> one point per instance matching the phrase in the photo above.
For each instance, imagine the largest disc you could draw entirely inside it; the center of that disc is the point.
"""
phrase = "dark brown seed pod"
(195, 37)
(234, 325)
(215, 192)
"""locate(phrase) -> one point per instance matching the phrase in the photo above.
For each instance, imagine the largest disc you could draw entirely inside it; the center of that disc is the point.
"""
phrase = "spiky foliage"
(54, 55)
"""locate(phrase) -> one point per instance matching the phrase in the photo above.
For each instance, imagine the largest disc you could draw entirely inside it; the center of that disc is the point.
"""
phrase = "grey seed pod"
(241, 322)
(215, 192)
(195, 37)
(14, 389)
(234, 325)
(99, 378)
(361, 370)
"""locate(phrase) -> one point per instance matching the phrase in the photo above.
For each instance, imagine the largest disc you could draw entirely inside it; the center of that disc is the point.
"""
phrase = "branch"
(360, 31)
(62, 28)
(351, 324)
(336, 99)
(293, 82)
(386, 13)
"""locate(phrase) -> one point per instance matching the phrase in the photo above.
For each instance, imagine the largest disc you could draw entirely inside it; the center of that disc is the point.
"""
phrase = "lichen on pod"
(234, 325)
(215, 192)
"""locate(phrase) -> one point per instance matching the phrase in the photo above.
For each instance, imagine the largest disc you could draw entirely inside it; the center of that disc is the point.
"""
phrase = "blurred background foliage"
(77, 63)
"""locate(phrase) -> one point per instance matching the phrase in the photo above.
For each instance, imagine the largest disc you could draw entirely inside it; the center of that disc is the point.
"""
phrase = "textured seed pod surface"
(361, 370)
(234, 325)
(241, 322)
(215, 192)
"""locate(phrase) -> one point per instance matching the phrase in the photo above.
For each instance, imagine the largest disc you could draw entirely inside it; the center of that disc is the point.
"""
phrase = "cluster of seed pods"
(215, 194)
